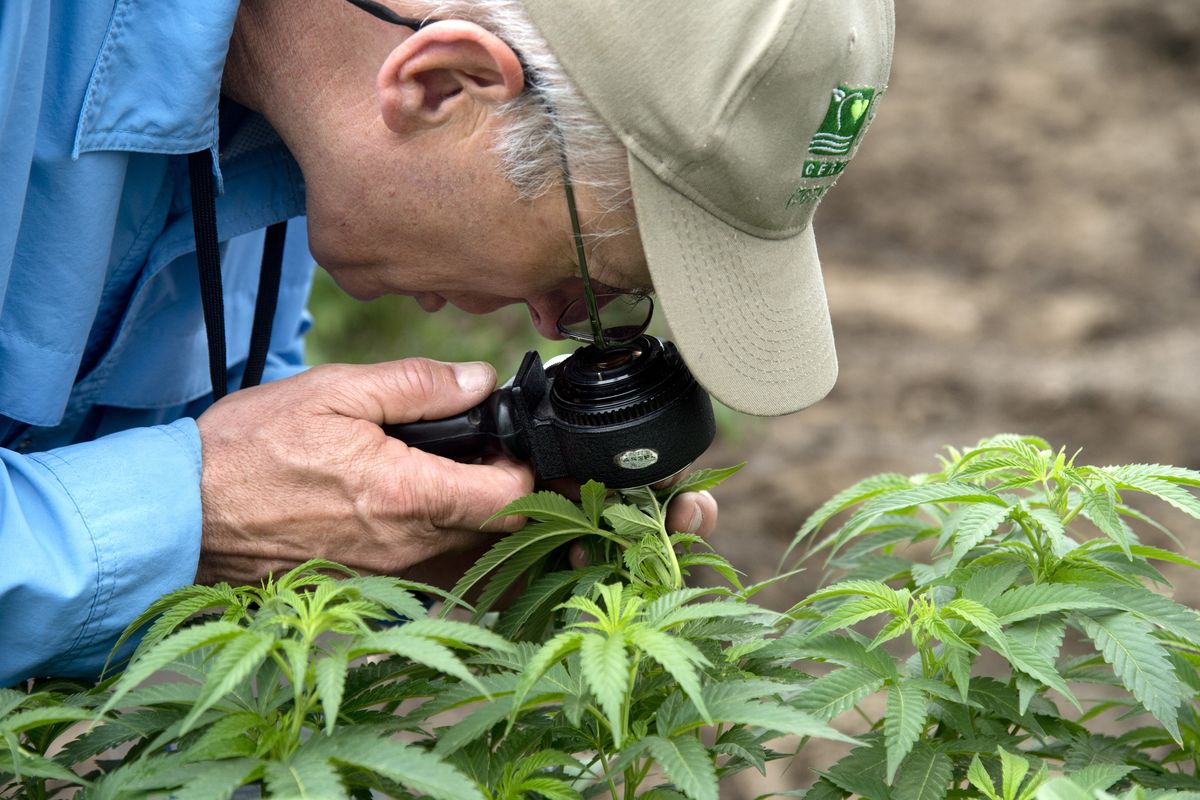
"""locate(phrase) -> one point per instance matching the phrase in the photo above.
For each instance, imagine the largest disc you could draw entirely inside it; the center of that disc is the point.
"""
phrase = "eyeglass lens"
(623, 318)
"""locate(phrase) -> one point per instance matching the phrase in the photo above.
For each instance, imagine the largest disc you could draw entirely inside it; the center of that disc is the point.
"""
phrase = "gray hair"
(528, 144)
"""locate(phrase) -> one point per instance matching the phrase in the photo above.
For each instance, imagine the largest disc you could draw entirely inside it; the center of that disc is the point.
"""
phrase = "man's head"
(430, 166)
(442, 178)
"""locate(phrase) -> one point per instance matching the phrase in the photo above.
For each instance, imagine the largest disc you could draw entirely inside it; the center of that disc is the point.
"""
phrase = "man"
(428, 160)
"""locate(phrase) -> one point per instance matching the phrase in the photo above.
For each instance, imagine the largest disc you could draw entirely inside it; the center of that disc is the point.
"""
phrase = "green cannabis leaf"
(1033, 556)
(966, 617)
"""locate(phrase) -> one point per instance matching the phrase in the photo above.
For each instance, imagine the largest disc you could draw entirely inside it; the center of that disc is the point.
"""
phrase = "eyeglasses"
(380, 11)
(629, 313)
(626, 316)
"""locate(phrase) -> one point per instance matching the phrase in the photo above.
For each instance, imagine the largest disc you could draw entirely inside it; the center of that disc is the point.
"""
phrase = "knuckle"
(332, 387)
(326, 373)
(509, 524)
(520, 483)
(418, 377)
(408, 501)
(455, 501)
(511, 486)
(435, 496)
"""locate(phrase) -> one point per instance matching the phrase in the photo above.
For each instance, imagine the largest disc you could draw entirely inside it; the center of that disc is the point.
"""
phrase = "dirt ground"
(1016, 247)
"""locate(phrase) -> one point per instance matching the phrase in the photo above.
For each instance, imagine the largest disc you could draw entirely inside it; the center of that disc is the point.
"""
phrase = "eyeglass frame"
(382, 12)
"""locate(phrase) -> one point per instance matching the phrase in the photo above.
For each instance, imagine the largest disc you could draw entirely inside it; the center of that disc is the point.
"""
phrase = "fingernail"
(707, 494)
(697, 518)
(473, 377)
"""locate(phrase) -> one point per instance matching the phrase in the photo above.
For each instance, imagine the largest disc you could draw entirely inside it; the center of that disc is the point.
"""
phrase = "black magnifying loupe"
(627, 415)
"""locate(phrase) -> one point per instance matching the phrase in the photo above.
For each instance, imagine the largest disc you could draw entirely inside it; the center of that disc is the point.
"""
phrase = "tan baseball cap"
(738, 116)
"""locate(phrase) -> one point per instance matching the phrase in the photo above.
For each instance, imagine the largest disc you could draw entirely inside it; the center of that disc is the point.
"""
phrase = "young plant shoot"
(983, 603)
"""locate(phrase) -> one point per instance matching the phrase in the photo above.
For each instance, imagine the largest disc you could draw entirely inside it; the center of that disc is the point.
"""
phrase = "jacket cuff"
(138, 493)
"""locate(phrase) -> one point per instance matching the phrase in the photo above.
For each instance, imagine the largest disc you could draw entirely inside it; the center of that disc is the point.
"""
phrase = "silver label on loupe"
(637, 459)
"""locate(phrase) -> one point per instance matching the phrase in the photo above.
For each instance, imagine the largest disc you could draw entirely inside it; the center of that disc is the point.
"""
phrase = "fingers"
(464, 496)
(301, 468)
(404, 391)
(577, 557)
(693, 512)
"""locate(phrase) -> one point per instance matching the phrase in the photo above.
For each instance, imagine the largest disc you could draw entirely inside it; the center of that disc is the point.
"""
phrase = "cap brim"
(749, 314)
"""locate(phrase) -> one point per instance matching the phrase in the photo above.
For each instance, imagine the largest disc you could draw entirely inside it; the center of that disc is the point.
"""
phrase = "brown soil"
(1015, 248)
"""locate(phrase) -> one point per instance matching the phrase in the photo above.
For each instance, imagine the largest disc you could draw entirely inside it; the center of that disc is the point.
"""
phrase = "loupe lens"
(623, 317)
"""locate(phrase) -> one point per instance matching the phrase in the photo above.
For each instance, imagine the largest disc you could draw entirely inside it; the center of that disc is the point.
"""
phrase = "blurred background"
(1016, 248)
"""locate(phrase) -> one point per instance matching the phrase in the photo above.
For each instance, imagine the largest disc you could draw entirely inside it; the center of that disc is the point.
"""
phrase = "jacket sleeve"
(90, 535)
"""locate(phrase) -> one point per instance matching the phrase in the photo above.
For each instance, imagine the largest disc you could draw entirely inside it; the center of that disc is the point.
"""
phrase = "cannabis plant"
(984, 602)
(611, 679)
(1013, 549)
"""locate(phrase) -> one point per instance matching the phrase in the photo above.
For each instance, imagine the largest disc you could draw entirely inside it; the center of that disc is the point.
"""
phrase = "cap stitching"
(738, 276)
(733, 359)
(779, 46)
(736, 279)
(887, 16)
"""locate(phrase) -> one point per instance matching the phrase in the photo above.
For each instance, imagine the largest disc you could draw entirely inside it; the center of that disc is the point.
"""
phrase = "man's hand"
(693, 512)
(300, 469)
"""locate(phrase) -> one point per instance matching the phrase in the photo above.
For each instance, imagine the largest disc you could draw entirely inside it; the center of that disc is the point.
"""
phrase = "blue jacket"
(103, 358)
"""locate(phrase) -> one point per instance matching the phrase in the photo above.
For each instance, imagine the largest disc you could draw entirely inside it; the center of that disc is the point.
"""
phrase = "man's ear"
(442, 70)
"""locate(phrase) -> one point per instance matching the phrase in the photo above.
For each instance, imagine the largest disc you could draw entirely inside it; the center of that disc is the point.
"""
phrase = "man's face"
(394, 130)
(409, 198)
(452, 229)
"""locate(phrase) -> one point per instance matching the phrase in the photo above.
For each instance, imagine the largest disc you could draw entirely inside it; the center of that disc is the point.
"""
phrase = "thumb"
(412, 389)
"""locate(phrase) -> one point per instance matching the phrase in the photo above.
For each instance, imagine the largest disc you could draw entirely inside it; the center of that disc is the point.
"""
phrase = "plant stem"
(283, 667)
(1030, 535)
(633, 668)
(301, 700)
(612, 786)
(927, 661)
(613, 792)
(634, 778)
(672, 560)
(665, 537)
(1074, 513)
(299, 712)
(1038, 544)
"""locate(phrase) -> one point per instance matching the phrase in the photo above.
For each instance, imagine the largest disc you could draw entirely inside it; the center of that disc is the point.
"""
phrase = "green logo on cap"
(843, 121)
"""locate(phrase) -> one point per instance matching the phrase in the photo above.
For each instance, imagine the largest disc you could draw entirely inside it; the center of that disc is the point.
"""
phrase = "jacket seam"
(98, 72)
(150, 135)
(84, 630)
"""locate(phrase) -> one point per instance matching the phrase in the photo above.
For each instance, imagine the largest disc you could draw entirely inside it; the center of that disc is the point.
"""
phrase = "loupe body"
(626, 416)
